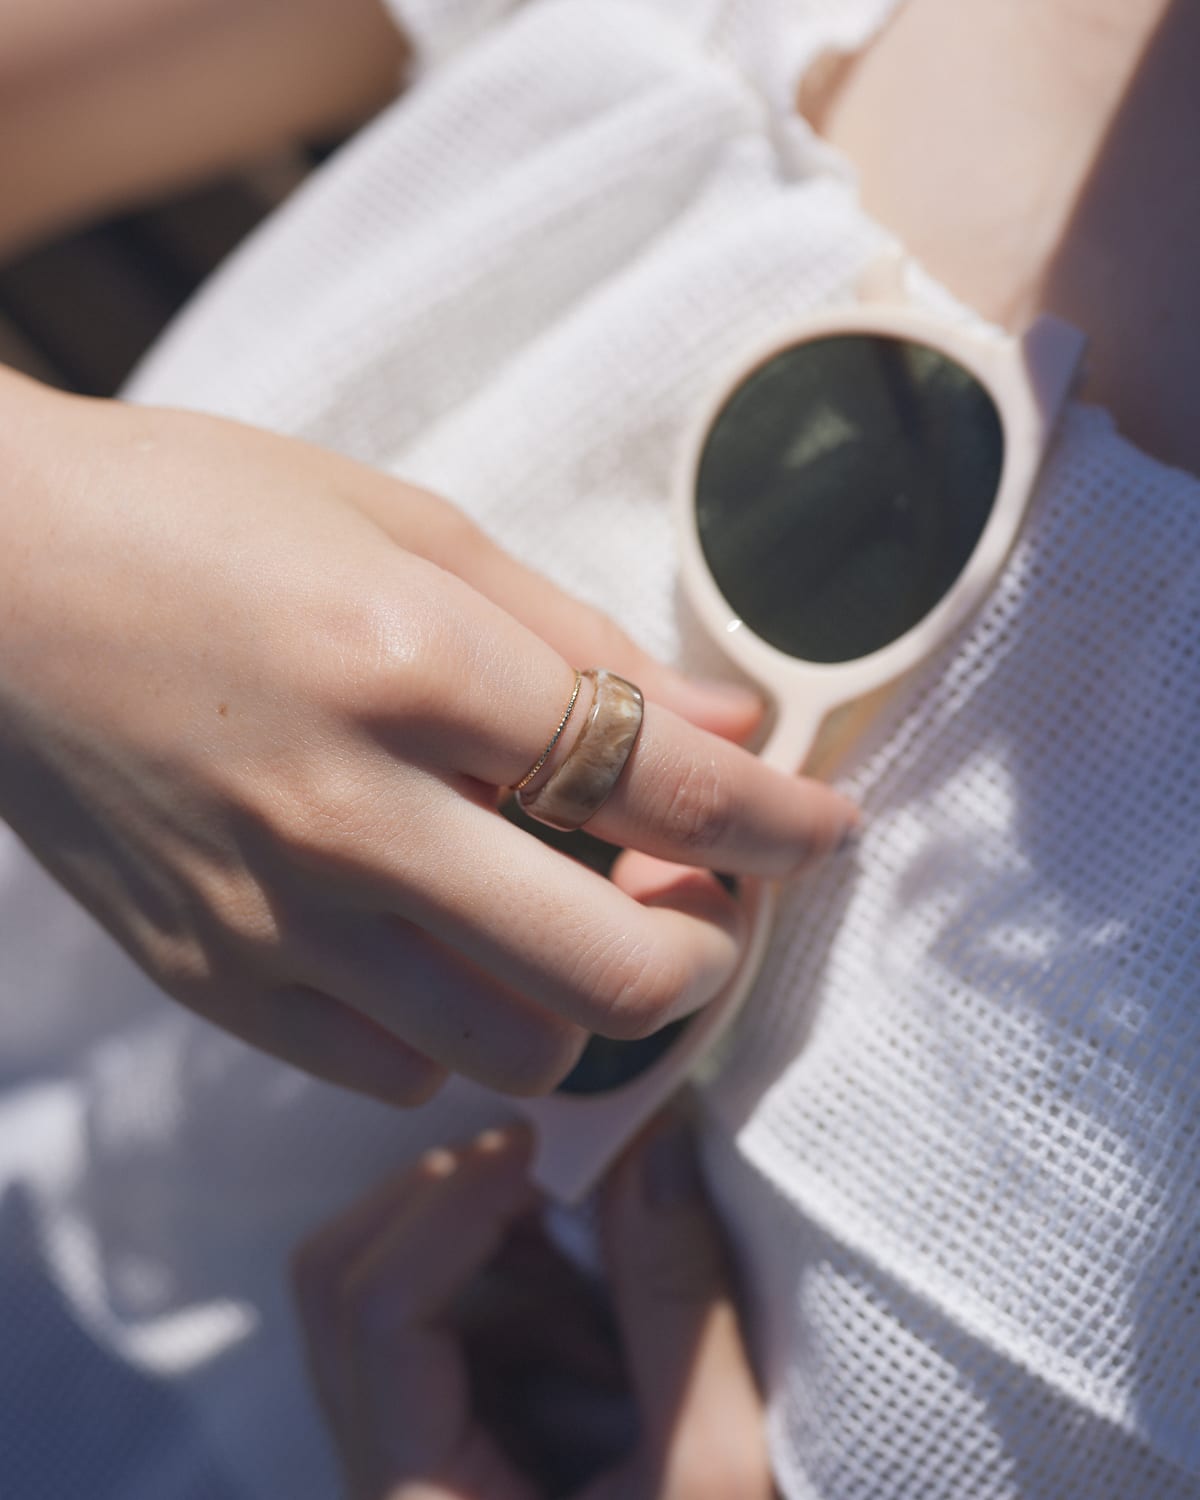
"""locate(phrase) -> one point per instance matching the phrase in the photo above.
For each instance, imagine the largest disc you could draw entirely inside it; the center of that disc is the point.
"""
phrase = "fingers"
(504, 964)
(431, 527)
(318, 1268)
(446, 1007)
(372, 1290)
(701, 1411)
(379, 1291)
(557, 954)
(324, 1037)
(410, 1273)
(695, 799)
(566, 938)
(484, 696)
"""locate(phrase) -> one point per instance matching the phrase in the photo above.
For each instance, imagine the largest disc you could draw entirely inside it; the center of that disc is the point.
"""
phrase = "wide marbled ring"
(579, 787)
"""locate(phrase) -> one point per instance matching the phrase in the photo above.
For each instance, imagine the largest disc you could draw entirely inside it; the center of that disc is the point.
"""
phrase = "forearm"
(32, 418)
(104, 105)
(28, 413)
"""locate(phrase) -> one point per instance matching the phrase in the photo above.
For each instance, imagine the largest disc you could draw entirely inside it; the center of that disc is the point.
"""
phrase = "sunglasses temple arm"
(787, 748)
(1053, 352)
(794, 734)
(578, 1139)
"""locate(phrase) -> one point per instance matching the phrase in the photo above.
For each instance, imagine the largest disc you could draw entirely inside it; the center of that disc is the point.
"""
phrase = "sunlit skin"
(1039, 155)
(1015, 219)
(258, 701)
(275, 786)
(103, 106)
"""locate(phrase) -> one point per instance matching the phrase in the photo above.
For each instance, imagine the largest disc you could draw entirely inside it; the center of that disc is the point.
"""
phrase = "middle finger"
(693, 798)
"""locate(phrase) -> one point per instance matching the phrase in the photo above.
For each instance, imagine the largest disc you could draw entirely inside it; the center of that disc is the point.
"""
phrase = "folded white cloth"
(956, 1139)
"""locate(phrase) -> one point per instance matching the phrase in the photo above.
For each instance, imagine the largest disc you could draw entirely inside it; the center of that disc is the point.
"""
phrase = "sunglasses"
(846, 501)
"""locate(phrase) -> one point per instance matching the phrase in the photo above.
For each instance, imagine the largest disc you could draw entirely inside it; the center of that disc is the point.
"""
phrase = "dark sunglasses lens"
(605, 1065)
(843, 488)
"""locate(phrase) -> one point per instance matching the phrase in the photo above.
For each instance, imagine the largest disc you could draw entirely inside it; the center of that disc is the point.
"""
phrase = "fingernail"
(671, 1170)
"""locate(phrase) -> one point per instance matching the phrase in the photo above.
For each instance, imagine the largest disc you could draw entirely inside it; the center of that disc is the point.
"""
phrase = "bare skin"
(380, 1293)
(102, 106)
(256, 703)
(276, 802)
(246, 686)
(1040, 155)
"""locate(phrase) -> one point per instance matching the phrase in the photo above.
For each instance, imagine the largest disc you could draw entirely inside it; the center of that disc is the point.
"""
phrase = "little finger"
(323, 1037)
(445, 1006)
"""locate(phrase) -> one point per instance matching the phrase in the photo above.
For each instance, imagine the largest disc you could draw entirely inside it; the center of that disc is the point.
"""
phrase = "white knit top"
(958, 1138)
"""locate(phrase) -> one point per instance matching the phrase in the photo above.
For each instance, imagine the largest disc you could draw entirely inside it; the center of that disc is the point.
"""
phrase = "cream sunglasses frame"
(1029, 379)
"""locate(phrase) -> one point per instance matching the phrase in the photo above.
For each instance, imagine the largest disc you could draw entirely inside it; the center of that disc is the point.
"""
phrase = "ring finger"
(549, 930)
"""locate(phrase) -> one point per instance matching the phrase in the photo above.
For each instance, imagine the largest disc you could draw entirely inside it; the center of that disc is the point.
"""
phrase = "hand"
(255, 705)
(379, 1292)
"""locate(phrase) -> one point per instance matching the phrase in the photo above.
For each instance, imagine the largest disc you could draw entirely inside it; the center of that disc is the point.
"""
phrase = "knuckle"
(459, 539)
(632, 988)
(239, 922)
(204, 965)
(380, 653)
(319, 816)
(700, 807)
(184, 964)
(406, 677)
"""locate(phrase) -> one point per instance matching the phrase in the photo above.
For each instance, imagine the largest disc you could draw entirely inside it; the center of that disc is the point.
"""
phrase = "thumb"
(701, 1414)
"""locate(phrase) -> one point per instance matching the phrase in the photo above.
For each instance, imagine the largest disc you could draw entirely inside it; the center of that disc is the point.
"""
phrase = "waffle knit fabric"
(956, 1138)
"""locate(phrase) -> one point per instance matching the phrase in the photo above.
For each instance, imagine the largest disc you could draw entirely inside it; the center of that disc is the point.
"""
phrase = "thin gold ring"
(591, 768)
(554, 738)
